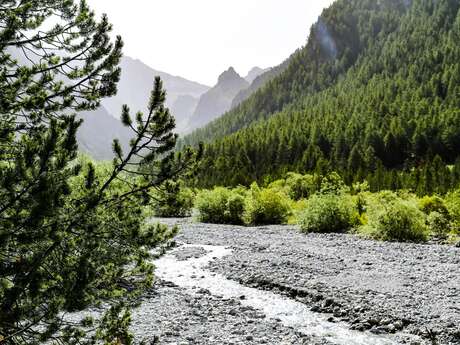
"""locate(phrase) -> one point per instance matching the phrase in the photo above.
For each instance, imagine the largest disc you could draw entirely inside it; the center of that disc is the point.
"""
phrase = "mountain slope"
(136, 84)
(254, 73)
(219, 99)
(258, 83)
(96, 134)
(334, 45)
(374, 94)
(184, 105)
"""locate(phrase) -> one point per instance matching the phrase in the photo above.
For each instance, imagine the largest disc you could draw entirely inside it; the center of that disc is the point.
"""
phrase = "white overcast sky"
(199, 39)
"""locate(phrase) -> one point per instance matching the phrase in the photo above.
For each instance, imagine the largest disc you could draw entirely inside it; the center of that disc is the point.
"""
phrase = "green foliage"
(173, 200)
(220, 206)
(453, 205)
(73, 234)
(335, 208)
(297, 186)
(429, 204)
(368, 97)
(439, 224)
(333, 184)
(301, 186)
(391, 218)
(327, 213)
(265, 206)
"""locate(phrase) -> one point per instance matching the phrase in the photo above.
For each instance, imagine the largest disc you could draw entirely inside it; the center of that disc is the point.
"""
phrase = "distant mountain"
(254, 73)
(136, 83)
(258, 82)
(219, 99)
(96, 134)
(184, 105)
(100, 127)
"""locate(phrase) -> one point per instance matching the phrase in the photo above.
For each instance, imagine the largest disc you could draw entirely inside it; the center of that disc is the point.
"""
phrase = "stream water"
(191, 274)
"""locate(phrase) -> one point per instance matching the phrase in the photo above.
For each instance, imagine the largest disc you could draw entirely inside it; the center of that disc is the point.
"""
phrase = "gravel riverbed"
(409, 290)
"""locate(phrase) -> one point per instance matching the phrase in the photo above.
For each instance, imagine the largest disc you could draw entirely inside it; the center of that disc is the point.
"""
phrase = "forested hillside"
(258, 83)
(374, 92)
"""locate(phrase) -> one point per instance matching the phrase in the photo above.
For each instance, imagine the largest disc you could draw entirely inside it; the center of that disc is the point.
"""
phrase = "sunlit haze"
(200, 39)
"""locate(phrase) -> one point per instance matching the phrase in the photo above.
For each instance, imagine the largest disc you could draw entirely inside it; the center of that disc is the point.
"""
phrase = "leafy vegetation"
(429, 204)
(220, 206)
(373, 96)
(370, 104)
(173, 200)
(298, 186)
(327, 213)
(331, 207)
(452, 201)
(256, 206)
(266, 206)
(439, 224)
(73, 233)
(391, 217)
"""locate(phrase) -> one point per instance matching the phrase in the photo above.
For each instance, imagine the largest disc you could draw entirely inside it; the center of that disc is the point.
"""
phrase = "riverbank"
(383, 288)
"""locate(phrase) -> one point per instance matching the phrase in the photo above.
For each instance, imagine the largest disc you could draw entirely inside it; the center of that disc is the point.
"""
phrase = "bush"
(333, 184)
(279, 185)
(430, 204)
(394, 219)
(327, 214)
(174, 201)
(301, 186)
(452, 201)
(439, 224)
(266, 206)
(220, 206)
(297, 208)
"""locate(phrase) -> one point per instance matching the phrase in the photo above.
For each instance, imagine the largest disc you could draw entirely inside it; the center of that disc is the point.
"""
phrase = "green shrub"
(327, 214)
(301, 186)
(266, 206)
(439, 224)
(452, 202)
(394, 219)
(174, 200)
(333, 184)
(360, 187)
(430, 204)
(220, 206)
(297, 208)
(381, 198)
(279, 185)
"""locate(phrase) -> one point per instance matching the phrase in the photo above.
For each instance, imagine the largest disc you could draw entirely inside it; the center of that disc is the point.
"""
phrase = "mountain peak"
(219, 99)
(254, 73)
(255, 70)
(228, 75)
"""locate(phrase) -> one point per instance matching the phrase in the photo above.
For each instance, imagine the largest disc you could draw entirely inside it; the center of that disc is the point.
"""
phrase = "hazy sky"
(199, 39)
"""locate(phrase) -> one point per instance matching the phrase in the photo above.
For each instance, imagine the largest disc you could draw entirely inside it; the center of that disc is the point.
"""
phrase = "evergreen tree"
(72, 234)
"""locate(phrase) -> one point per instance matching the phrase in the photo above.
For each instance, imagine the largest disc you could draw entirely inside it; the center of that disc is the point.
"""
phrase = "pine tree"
(72, 235)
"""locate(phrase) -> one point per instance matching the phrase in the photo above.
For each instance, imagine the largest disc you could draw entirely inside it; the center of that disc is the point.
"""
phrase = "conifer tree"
(72, 234)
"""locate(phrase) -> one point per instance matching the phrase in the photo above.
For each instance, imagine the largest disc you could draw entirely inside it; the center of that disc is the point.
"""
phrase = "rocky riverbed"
(403, 293)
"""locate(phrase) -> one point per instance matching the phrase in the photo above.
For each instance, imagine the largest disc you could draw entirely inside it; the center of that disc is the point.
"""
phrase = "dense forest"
(373, 95)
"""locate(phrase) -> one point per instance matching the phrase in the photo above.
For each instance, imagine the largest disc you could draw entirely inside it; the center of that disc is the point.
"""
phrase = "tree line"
(392, 117)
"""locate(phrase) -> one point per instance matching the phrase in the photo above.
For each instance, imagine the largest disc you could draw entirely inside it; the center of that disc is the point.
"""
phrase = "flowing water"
(191, 274)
